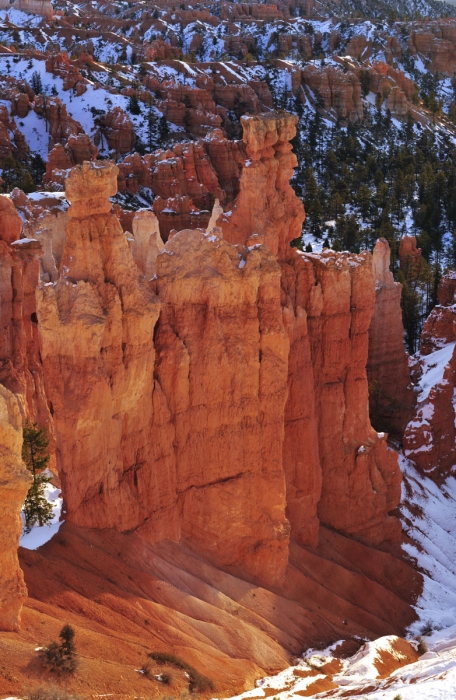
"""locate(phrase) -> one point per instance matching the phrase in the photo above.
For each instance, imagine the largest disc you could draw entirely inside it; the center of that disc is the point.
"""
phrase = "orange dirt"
(403, 654)
(126, 598)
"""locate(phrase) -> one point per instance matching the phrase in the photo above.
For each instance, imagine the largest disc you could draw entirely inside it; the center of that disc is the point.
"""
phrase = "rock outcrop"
(14, 484)
(266, 205)
(147, 243)
(409, 256)
(339, 468)
(391, 396)
(96, 328)
(440, 326)
(222, 364)
(430, 438)
(337, 90)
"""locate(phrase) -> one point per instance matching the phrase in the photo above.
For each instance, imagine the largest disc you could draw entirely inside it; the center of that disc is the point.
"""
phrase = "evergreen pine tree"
(133, 105)
(163, 127)
(61, 658)
(36, 83)
(36, 457)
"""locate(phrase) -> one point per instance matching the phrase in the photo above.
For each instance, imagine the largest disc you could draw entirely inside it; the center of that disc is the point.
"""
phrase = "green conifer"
(36, 457)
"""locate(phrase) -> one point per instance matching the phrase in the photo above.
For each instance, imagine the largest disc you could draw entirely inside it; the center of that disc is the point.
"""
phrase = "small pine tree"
(133, 105)
(36, 457)
(36, 83)
(163, 127)
(61, 658)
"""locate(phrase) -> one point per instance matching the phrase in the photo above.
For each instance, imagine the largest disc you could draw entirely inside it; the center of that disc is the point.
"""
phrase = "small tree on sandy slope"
(35, 454)
(61, 658)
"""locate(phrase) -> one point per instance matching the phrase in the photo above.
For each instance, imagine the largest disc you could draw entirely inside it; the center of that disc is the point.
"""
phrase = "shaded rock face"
(340, 471)
(391, 396)
(22, 396)
(409, 255)
(14, 484)
(266, 204)
(20, 366)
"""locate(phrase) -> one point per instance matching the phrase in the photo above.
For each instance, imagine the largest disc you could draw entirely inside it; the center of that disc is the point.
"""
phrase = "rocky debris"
(391, 396)
(266, 205)
(14, 484)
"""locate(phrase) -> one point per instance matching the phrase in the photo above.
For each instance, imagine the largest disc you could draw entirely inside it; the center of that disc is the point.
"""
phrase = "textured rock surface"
(440, 326)
(10, 222)
(391, 395)
(359, 475)
(96, 332)
(147, 243)
(222, 364)
(430, 438)
(338, 90)
(409, 255)
(14, 483)
(266, 205)
(20, 366)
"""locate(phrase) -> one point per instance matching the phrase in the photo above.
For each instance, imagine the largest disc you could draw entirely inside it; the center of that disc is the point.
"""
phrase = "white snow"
(40, 535)
(433, 368)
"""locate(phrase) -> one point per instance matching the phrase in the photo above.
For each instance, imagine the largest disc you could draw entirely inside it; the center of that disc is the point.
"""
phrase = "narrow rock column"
(14, 484)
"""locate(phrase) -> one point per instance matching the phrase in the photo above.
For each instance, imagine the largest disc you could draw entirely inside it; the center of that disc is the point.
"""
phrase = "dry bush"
(198, 683)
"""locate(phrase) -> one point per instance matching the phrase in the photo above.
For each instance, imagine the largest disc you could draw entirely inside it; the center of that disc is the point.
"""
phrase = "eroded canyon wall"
(340, 471)
(225, 400)
(96, 326)
(391, 395)
(222, 357)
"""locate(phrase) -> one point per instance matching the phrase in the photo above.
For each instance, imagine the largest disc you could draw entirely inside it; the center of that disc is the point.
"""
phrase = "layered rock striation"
(96, 328)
